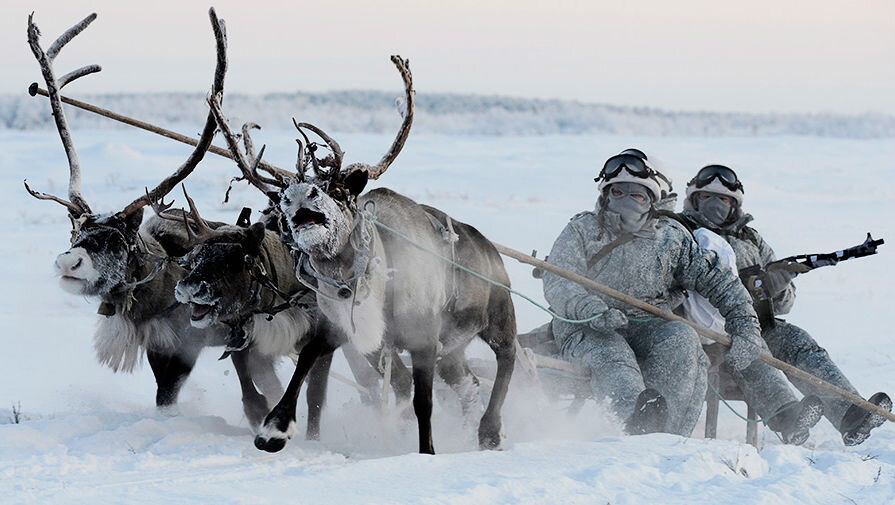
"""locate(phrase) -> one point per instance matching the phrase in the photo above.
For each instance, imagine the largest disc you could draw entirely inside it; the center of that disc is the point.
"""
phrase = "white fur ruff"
(120, 344)
(369, 320)
(279, 336)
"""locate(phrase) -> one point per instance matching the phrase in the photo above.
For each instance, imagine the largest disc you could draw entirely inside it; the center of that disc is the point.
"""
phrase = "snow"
(448, 114)
(92, 436)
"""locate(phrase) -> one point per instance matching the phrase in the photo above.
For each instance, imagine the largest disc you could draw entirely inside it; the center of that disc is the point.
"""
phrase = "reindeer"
(378, 289)
(127, 267)
(243, 276)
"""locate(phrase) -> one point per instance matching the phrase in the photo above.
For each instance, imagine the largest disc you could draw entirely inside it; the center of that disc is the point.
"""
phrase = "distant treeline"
(447, 114)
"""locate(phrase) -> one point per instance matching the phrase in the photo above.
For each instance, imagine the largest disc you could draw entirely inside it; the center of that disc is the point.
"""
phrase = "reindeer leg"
(454, 370)
(263, 372)
(171, 371)
(423, 376)
(402, 380)
(500, 335)
(254, 404)
(364, 369)
(279, 426)
(316, 395)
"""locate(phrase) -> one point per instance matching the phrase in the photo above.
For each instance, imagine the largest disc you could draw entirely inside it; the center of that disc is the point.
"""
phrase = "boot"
(857, 422)
(794, 420)
(650, 414)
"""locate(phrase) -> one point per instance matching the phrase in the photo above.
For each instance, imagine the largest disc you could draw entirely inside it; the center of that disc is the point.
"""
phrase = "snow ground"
(91, 436)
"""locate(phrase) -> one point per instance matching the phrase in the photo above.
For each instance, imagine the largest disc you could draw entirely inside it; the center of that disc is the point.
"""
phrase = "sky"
(755, 56)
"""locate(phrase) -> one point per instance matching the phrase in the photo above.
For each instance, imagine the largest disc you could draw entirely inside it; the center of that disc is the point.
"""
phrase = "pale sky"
(754, 55)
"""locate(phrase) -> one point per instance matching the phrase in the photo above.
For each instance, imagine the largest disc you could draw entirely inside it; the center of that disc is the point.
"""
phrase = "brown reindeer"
(378, 288)
(127, 267)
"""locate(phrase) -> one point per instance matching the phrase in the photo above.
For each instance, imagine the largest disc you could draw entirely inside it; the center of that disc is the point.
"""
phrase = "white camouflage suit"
(787, 342)
(657, 266)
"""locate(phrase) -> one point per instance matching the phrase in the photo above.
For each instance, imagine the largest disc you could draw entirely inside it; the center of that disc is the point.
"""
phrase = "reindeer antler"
(249, 168)
(165, 187)
(76, 203)
(403, 66)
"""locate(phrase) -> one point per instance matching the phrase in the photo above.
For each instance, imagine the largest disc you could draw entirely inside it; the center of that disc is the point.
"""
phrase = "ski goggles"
(633, 163)
(725, 175)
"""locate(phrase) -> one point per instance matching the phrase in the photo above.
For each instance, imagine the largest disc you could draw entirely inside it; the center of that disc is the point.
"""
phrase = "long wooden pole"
(713, 335)
(34, 90)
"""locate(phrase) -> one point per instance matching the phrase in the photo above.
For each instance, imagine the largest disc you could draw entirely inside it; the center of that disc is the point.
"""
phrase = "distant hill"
(448, 114)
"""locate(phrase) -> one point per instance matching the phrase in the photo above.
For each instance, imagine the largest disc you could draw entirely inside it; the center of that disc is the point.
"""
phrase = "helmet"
(717, 179)
(632, 165)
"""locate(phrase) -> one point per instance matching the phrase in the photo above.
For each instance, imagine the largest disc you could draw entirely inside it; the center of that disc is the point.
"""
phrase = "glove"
(742, 353)
(777, 280)
(610, 319)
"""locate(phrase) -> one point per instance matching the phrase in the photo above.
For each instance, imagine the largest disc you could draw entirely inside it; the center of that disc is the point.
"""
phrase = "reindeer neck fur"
(287, 330)
(362, 317)
(144, 315)
(277, 261)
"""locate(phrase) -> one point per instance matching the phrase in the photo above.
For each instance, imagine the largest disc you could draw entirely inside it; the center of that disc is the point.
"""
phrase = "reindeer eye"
(287, 201)
(313, 193)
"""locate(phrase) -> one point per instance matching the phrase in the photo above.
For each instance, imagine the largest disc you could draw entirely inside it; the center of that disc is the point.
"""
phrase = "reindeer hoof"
(274, 433)
(270, 444)
(490, 437)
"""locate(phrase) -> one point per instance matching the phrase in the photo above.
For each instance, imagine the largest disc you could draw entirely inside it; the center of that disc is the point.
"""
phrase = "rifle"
(754, 277)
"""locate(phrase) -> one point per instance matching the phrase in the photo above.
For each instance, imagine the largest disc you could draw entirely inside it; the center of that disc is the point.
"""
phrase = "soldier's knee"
(678, 334)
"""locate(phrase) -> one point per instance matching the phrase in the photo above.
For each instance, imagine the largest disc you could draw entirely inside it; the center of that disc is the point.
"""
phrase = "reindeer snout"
(203, 290)
(188, 292)
(72, 263)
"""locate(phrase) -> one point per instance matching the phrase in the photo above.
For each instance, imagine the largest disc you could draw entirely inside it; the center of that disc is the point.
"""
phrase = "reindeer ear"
(255, 236)
(356, 181)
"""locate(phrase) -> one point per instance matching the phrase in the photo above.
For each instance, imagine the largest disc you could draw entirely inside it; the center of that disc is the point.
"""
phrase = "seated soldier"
(714, 201)
(652, 371)
(764, 387)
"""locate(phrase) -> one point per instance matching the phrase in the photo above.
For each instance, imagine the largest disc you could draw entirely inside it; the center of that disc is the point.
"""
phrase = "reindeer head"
(222, 261)
(104, 246)
(97, 261)
(320, 216)
(318, 208)
(219, 285)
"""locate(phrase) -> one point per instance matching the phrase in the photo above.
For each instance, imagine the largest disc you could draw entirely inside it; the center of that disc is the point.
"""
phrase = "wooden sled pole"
(713, 335)
(34, 90)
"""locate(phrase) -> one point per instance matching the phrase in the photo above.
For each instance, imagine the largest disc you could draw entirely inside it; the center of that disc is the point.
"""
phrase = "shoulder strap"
(751, 235)
(606, 249)
(674, 216)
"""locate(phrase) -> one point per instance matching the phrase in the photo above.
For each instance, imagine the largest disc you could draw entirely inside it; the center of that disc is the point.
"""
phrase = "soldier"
(714, 201)
(653, 371)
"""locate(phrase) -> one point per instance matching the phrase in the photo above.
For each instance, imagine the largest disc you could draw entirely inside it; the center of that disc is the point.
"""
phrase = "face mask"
(631, 201)
(714, 209)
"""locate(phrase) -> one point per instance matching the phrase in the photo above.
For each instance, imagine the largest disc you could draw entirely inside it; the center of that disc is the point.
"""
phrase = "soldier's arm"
(567, 298)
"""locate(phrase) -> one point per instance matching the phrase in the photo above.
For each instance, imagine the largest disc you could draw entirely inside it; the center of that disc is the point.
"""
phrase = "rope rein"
(486, 279)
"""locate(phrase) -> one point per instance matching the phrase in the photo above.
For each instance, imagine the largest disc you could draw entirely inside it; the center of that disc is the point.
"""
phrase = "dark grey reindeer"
(127, 267)
(377, 289)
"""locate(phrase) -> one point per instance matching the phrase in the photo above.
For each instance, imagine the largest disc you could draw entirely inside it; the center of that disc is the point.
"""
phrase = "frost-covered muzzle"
(319, 224)
(204, 305)
(97, 261)
(220, 286)
(75, 270)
